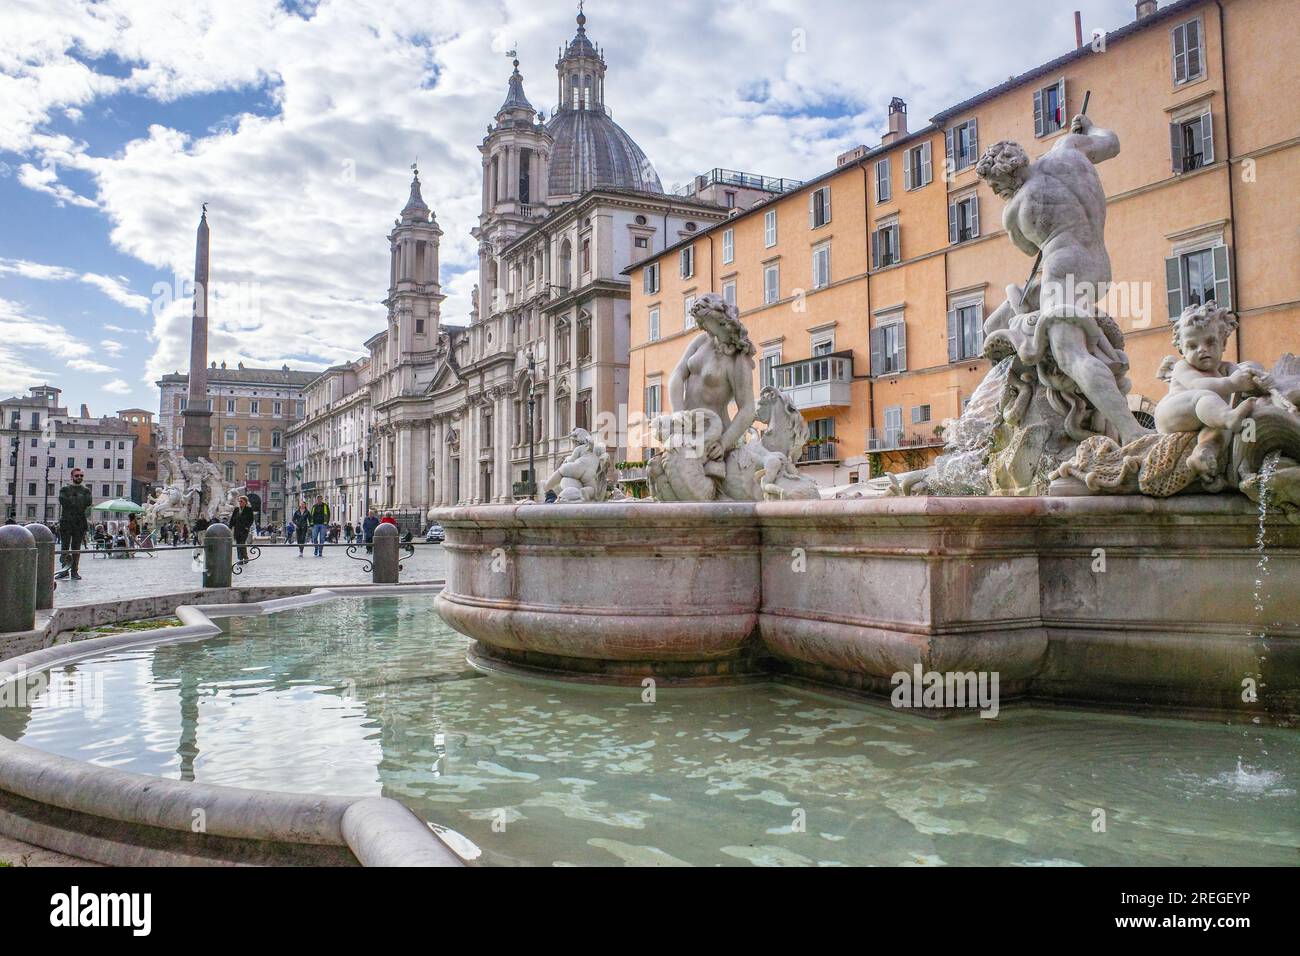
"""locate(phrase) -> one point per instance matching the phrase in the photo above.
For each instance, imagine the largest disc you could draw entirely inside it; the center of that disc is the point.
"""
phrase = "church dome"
(592, 150)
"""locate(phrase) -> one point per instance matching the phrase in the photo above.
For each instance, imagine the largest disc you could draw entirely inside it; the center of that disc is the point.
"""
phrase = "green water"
(373, 696)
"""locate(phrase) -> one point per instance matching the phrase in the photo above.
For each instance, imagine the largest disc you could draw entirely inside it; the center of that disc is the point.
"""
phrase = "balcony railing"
(733, 177)
(889, 439)
(821, 382)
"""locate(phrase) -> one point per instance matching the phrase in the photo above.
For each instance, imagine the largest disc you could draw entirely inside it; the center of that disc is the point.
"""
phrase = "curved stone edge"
(122, 818)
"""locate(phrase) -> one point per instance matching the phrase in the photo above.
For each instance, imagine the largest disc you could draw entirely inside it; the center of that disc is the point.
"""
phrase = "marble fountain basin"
(1126, 603)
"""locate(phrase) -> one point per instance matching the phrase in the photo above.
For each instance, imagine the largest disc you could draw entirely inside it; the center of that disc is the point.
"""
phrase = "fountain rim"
(377, 831)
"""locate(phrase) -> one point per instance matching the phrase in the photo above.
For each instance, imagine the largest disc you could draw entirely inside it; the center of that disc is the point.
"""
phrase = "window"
(562, 415)
(821, 263)
(105, 491)
(687, 259)
(1049, 108)
(72, 443)
(654, 324)
(419, 326)
(728, 245)
(920, 414)
(767, 368)
(230, 406)
(884, 246)
(653, 400)
(1188, 52)
(121, 462)
(820, 447)
(650, 279)
(297, 409)
(688, 320)
(121, 445)
(31, 489)
(277, 409)
(584, 339)
(1196, 277)
(771, 283)
(893, 426)
(918, 170)
(90, 443)
(882, 180)
(120, 490)
(184, 401)
(230, 438)
(964, 218)
(1191, 143)
(586, 255)
(965, 331)
(108, 464)
(277, 439)
(31, 462)
(90, 463)
(641, 242)
(731, 199)
(729, 292)
(72, 463)
(277, 474)
(769, 228)
(819, 207)
(823, 347)
(962, 142)
(582, 410)
(36, 420)
(254, 407)
(230, 471)
(889, 347)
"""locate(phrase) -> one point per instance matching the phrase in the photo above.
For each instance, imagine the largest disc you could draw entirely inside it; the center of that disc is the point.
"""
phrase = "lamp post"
(15, 444)
(366, 466)
(532, 369)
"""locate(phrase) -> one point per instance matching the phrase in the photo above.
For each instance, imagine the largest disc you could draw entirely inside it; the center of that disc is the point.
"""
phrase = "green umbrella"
(121, 506)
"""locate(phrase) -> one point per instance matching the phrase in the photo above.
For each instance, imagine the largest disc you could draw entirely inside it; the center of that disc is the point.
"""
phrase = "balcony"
(523, 489)
(732, 177)
(892, 439)
(821, 382)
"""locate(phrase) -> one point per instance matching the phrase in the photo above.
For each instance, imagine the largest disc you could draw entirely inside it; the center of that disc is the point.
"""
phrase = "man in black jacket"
(74, 504)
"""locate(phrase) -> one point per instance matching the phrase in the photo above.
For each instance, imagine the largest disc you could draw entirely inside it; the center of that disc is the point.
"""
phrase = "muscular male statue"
(1056, 206)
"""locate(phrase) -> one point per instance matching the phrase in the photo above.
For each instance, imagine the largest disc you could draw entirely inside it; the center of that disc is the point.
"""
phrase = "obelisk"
(196, 436)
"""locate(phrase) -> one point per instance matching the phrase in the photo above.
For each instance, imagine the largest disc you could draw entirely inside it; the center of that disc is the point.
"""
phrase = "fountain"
(1056, 543)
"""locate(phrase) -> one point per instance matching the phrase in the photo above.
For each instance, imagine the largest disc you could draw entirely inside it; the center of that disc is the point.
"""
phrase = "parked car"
(434, 533)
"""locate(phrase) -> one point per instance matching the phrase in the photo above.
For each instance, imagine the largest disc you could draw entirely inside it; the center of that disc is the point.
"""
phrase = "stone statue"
(1220, 426)
(703, 454)
(1056, 208)
(583, 476)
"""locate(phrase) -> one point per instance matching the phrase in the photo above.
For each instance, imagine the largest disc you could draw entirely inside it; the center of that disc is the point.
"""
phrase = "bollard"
(383, 563)
(45, 542)
(218, 556)
(17, 579)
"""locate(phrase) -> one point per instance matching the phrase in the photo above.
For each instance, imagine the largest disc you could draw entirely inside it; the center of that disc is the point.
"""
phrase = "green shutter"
(1174, 287)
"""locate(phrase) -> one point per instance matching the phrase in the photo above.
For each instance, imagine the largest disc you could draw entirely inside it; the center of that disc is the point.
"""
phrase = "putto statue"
(703, 456)
(583, 476)
(1220, 426)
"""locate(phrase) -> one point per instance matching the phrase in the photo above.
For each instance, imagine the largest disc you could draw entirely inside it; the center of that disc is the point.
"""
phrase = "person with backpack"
(320, 519)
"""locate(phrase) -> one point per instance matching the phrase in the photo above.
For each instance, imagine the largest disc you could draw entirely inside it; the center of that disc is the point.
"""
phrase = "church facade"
(567, 205)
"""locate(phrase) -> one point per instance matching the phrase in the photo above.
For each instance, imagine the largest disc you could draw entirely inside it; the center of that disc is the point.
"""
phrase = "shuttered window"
(889, 348)
(650, 280)
(963, 143)
(1188, 52)
(1049, 108)
(771, 284)
(769, 228)
(654, 324)
(688, 262)
(1193, 278)
(917, 167)
(1191, 143)
(728, 245)
(819, 207)
(965, 331)
(882, 181)
(964, 218)
(821, 261)
(885, 246)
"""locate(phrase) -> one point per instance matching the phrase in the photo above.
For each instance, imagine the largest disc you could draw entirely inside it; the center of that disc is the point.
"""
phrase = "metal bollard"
(17, 579)
(45, 542)
(383, 563)
(218, 556)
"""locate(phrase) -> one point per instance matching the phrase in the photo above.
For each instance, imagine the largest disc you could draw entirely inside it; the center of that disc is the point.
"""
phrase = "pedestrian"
(74, 505)
(241, 523)
(368, 528)
(301, 524)
(320, 519)
(133, 532)
(388, 518)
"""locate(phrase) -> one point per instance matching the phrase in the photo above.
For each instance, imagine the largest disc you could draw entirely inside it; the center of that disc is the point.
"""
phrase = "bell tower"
(414, 291)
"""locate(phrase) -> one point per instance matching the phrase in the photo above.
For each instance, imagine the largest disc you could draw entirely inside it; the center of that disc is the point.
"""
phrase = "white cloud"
(116, 288)
(117, 387)
(89, 365)
(111, 347)
(301, 202)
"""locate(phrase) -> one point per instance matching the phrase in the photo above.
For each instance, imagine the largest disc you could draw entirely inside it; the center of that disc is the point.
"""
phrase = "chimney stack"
(1145, 8)
(1078, 29)
(85, 410)
(897, 121)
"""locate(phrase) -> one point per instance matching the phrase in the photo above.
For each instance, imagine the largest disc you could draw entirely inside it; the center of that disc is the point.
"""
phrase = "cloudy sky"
(297, 122)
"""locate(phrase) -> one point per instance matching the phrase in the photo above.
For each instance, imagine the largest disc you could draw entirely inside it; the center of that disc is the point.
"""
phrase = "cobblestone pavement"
(169, 571)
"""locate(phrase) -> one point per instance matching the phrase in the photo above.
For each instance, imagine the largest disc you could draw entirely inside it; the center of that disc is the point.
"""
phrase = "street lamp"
(15, 444)
(532, 369)
(367, 465)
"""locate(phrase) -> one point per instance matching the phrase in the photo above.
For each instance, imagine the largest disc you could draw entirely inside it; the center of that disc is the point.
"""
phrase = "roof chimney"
(1145, 8)
(897, 121)
(1078, 29)
(85, 410)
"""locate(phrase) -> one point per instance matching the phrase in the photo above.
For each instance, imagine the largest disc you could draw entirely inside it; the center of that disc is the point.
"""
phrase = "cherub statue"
(582, 476)
(1202, 386)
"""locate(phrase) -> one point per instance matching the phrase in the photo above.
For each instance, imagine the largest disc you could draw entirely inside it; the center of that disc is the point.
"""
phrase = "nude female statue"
(716, 370)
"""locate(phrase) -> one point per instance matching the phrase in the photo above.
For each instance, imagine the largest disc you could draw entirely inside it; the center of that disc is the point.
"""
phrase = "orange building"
(864, 290)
